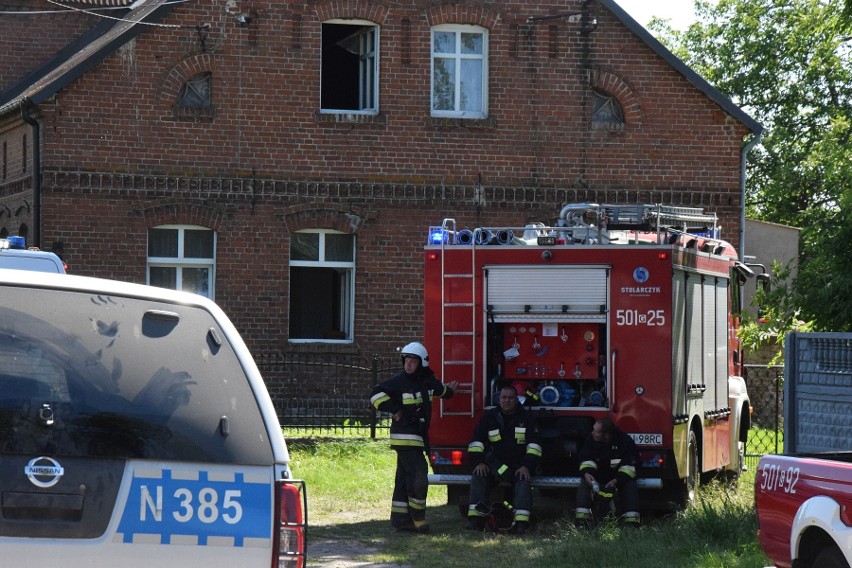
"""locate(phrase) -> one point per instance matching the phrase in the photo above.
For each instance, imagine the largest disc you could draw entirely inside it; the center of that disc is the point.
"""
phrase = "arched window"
(322, 286)
(606, 111)
(182, 257)
(196, 92)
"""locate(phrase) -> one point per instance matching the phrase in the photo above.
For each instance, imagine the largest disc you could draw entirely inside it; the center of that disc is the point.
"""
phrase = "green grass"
(349, 485)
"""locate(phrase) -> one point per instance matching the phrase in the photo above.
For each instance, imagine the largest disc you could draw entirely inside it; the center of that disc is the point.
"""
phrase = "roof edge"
(57, 73)
(688, 73)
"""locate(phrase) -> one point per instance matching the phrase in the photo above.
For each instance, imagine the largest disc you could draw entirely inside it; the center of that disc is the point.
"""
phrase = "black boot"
(476, 523)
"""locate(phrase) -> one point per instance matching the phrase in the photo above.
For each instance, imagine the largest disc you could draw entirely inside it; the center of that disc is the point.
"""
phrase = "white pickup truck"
(804, 509)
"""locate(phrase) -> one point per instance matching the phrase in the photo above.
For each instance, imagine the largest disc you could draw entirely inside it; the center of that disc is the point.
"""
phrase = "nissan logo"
(44, 471)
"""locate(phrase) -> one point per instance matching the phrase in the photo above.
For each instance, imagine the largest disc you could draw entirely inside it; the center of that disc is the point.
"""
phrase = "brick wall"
(264, 162)
(15, 178)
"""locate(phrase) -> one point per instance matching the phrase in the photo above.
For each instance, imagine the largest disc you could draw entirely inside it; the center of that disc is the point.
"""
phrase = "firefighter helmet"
(415, 349)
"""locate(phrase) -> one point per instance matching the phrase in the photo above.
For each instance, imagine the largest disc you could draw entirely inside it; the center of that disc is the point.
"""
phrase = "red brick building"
(287, 158)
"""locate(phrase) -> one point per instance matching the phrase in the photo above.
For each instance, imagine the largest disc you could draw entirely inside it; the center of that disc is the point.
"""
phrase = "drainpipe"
(743, 158)
(36, 161)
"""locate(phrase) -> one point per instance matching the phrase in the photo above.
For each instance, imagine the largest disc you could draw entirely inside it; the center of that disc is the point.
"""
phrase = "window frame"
(367, 75)
(181, 261)
(458, 57)
(347, 299)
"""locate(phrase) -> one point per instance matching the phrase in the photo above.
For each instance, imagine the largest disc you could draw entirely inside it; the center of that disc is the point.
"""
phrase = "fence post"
(777, 382)
(373, 416)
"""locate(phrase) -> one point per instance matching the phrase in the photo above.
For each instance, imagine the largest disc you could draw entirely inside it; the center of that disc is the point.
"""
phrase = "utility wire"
(93, 13)
(69, 9)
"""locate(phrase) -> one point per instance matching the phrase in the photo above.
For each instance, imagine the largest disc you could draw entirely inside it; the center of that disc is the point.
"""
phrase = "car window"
(37, 262)
(119, 377)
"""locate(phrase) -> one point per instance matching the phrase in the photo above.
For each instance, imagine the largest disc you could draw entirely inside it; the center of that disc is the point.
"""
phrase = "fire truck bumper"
(537, 481)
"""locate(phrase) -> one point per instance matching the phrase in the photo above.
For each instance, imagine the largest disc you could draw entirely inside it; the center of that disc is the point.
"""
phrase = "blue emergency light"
(436, 236)
(17, 242)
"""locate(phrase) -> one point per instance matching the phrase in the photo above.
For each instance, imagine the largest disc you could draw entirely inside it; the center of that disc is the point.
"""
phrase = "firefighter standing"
(408, 397)
(504, 449)
(608, 464)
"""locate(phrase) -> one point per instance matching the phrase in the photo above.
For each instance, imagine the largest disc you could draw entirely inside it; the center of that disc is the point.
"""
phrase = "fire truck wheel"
(693, 471)
(732, 476)
(692, 480)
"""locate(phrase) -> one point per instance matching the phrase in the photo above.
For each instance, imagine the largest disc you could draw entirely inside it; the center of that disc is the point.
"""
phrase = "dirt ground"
(327, 553)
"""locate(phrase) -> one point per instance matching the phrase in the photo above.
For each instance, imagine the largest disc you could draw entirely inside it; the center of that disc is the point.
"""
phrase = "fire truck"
(622, 311)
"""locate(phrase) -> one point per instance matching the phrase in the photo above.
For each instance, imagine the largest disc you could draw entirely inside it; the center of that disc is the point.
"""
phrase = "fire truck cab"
(621, 311)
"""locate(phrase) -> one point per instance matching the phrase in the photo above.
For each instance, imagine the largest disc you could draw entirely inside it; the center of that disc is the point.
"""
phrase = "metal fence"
(324, 393)
(766, 391)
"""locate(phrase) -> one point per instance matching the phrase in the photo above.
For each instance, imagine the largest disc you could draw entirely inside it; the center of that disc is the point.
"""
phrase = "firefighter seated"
(504, 450)
(608, 468)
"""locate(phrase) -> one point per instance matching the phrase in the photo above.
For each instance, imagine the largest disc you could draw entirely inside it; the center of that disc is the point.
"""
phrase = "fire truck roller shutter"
(564, 291)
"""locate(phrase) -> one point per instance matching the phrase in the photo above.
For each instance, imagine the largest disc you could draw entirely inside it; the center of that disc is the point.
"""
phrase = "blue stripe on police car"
(178, 510)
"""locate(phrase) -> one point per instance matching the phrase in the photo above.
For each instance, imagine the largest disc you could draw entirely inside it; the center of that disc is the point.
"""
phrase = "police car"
(136, 431)
(14, 254)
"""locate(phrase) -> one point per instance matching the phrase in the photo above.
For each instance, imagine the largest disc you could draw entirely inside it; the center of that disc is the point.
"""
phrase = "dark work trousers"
(410, 487)
(627, 498)
(480, 487)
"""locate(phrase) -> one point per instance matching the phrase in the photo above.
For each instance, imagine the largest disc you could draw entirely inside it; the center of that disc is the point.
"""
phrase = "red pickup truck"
(804, 509)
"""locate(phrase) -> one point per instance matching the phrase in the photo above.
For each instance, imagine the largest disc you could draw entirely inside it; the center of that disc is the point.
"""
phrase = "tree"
(789, 64)
(779, 317)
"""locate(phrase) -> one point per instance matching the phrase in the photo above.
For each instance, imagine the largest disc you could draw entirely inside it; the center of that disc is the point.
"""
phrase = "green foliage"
(779, 315)
(846, 17)
(717, 533)
(789, 64)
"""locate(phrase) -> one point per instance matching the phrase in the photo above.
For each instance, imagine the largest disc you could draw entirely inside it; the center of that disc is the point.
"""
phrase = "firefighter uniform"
(504, 442)
(409, 396)
(615, 458)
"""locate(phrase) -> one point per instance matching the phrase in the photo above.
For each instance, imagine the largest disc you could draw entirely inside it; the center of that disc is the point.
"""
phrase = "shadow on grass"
(705, 537)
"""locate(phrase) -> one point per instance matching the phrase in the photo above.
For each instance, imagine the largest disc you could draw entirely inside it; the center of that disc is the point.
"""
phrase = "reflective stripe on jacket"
(411, 395)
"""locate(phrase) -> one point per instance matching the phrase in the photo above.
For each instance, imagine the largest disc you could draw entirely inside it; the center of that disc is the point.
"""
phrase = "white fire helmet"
(416, 350)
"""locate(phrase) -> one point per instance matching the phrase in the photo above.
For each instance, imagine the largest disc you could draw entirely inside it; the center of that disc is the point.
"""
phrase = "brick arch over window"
(359, 9)
(340, 219)
(610, 83)
(183, 214)
(183, 72)
(455, 14)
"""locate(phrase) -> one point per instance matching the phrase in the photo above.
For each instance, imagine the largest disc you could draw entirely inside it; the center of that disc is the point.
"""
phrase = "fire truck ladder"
(659, 218)
(454, 328)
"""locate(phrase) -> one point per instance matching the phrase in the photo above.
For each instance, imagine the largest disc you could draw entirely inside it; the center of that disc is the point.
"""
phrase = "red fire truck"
(621, 311)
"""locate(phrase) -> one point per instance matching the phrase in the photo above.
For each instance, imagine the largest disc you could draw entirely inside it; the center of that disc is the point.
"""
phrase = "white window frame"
(368, 70)
(347, 299)
(180, 262)
(458, 57)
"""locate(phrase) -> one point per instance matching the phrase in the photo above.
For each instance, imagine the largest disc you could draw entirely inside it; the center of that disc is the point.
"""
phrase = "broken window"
(195, 93)
(606, 111)
(350, 67)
